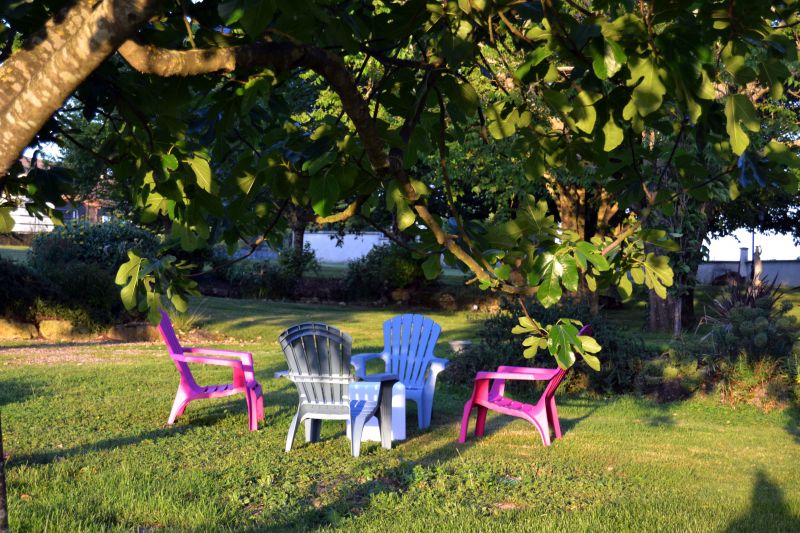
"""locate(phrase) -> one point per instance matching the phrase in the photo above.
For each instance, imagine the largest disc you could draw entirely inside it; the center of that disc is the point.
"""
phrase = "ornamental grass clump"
(752, 320)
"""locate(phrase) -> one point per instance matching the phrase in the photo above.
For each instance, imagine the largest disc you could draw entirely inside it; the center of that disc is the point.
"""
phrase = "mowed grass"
(18, 254)
(90, 450)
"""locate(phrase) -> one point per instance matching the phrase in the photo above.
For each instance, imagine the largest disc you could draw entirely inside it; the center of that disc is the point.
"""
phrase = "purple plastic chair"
(488, 394)
(188, 390)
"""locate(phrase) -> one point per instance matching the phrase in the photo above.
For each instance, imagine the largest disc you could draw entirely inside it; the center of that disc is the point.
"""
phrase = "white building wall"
(353, 246)
(787, 272)
(25, 223)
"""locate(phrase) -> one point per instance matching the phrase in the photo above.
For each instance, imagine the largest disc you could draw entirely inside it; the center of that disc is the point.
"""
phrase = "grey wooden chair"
(318, 356)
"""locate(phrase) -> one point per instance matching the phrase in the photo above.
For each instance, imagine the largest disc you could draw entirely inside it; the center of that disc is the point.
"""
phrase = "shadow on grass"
(61, 345)
(17, 390)
(355, 494)
(793, 423)
(106, 444)
(768, 510)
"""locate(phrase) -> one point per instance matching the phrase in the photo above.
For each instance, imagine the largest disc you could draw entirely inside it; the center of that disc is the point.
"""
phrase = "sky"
(772, 246)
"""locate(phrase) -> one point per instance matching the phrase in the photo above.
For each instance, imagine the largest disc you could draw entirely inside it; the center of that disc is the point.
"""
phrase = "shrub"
(297, 263)
(87, 287)
(672, 376)
(765, 383)
(383, 269)
(105, 244)
(621, 359)
(752, 321)
(20, 288)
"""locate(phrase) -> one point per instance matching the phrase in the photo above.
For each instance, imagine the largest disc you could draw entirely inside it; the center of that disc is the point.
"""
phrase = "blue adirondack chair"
(408, 343)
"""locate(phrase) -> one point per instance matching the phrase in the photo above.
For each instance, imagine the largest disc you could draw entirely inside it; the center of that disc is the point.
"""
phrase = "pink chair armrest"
(225, 353)
(513, 376)
(544, 373)
(233, 363)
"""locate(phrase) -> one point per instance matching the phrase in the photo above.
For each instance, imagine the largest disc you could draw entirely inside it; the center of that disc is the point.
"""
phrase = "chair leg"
(313, 429)
(553, 417)
(427, 410)
(462, 437)
(258, 401)
(480, 423)
(356, 429)
(178, 406)
(421, 413)
(540, 421)
(385, 415)
(251, 409)
(292, 431)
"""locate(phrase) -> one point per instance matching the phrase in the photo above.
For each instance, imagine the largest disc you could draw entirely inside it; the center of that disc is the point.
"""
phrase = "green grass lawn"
(15, 253)
(90, 450)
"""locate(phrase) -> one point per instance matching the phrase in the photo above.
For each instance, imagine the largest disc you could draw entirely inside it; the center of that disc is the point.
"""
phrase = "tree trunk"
(35, 82)
(298, 237)
(661, 313)
(3, 500)
(677, 307)
(687, 308)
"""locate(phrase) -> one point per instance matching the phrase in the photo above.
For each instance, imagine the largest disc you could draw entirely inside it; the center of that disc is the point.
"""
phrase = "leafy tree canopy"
(221, 114)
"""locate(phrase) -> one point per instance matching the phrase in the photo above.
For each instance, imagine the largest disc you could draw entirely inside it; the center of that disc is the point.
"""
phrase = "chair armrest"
(359, 362)
(233, 363)
(544, 373)
(438, 364)
(225, 353)
(511, 376)
(381, 377)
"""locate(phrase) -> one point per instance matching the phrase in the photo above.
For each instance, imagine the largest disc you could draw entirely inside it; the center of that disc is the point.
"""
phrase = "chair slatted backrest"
(174, 347)
(318, 356)
(555, 381)
(409, 340)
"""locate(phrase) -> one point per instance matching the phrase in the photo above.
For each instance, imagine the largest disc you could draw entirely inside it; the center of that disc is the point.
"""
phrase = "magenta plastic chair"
(488, 394)
(244, 380)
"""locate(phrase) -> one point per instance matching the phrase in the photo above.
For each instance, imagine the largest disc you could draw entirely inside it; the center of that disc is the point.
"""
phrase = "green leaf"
(777, 152)
(570, 276)
(464, 6)
(650, 90)
(256, 17)
(549, 292)
(503, 272)
(592, 361)
(179, 302)
(324, 192)
(541, 53)
(593, 255)
(589, 344)
(432, 267)
(6, 220)
(230, 11)
(624, 286)
(638, 275)
(559, 346)
(612, 134)
(739, 111)
(128, 276)
(202, 171)
(585, 114)
(169, 161)
(658, 274)
(614, 58)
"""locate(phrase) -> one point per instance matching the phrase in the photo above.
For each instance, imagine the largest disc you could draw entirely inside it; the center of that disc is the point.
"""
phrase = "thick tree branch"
(350, 211)
(35, 85)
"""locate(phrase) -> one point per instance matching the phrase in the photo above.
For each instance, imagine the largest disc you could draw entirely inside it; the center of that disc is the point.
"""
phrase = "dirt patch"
(48, 353)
